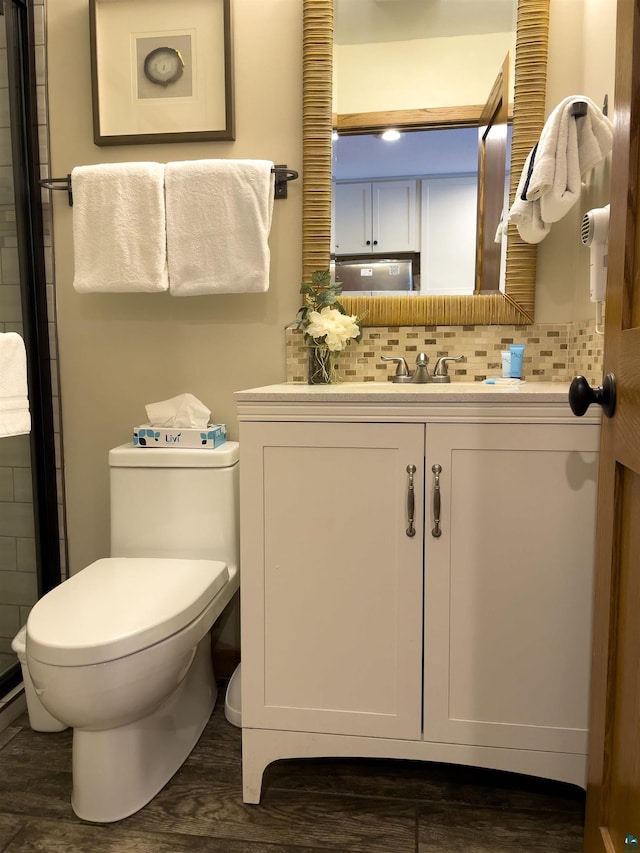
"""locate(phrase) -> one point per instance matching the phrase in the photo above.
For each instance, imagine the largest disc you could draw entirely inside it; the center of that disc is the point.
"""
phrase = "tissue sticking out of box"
(185, 410)
(181, 421)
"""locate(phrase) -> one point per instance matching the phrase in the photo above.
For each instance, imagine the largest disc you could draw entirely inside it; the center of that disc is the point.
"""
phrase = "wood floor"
(319, 805)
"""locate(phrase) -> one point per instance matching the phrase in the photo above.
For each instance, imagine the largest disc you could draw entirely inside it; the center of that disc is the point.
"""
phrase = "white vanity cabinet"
(471, 646)
(375, 216)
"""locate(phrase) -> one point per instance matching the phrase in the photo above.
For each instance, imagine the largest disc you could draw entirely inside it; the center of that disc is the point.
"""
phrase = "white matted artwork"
(168, 83)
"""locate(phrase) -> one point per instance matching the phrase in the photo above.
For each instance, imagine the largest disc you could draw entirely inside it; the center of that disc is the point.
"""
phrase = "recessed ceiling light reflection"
(390, 135)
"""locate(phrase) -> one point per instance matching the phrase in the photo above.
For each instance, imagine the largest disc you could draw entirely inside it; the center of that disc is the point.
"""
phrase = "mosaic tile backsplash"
(554, 352)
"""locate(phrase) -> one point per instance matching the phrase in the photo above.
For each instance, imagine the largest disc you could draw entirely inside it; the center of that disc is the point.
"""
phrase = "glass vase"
(321, 366)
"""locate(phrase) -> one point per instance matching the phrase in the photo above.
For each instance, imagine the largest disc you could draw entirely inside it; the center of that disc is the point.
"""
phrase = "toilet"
(121, 651)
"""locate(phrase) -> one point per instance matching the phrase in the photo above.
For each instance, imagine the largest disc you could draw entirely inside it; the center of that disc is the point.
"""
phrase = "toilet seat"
(118, 606)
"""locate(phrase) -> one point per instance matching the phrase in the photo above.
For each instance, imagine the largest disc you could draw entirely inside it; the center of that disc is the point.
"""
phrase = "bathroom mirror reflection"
(413, 201)
(387, 61)
(516, 303)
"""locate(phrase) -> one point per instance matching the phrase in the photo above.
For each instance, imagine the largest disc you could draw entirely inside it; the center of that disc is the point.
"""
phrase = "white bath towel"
(569, 147)
(218, 223)
(14, 402)
(525, 214)
(119, 233)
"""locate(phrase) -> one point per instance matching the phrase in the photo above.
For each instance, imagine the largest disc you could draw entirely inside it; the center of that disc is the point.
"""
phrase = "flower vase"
(321, 366)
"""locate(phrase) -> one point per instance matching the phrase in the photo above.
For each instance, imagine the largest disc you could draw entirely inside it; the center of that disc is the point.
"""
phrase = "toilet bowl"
(121, 651)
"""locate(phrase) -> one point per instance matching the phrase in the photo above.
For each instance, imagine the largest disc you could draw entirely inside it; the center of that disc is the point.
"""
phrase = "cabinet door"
(508, 585)
(448, 235)
(353, 219)
(394, 216)
(331, 584)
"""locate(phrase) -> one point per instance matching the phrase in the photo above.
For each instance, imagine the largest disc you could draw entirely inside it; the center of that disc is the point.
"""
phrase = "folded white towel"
(14, 403)
(566, 184)
(218, 222)
(119, 235)
(569, 147)
(595, 138)
(525, 214)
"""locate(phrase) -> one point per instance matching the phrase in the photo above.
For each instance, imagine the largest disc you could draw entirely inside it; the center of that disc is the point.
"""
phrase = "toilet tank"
(175, 502)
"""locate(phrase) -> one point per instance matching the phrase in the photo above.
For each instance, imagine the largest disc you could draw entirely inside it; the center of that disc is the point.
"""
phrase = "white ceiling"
(417, 153)
(429, 152)
(365, 21)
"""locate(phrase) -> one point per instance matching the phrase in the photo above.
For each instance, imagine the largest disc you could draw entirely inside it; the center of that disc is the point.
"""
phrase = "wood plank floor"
(364, 806)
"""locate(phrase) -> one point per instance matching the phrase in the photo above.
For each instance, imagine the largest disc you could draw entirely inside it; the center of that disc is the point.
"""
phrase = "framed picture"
(161, 71)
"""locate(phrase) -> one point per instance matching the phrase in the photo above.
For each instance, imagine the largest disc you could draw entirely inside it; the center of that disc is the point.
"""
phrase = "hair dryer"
(595, 233)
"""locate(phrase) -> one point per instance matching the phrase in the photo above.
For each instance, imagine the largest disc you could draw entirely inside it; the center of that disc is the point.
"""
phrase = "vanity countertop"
(388, 392)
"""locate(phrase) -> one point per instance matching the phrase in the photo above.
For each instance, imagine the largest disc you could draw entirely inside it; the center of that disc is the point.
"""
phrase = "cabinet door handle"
(437, 470)
(411, 503)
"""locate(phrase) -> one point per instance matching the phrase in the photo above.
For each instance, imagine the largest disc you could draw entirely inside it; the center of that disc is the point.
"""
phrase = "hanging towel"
(119, 234)
(14, 403)
(569, 147)
(525, 214)
(218, 222)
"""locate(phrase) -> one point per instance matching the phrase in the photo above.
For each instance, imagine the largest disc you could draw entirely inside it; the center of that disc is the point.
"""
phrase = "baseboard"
(225, 661)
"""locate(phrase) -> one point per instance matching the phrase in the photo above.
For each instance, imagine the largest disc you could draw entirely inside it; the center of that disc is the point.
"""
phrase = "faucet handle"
(441, 373)
(402, 371)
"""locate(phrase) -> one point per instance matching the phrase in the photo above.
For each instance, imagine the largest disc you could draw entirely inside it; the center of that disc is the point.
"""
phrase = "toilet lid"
(118, 606)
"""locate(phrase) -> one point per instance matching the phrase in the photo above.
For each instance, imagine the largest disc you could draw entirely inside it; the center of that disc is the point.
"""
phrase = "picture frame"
(161, 71)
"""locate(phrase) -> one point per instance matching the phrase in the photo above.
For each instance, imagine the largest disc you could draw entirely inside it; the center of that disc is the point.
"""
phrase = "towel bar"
(282, 172)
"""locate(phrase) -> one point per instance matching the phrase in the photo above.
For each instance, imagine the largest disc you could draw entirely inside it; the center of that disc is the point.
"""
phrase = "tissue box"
(213, 435)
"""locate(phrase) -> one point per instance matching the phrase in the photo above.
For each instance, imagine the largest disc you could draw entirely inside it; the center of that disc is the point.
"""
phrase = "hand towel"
(14, 403)
(218, 221)
(569, 147)
(525, 214)
(119, 232)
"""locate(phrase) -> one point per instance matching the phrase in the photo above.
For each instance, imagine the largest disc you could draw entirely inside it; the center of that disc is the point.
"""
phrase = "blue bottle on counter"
(517, 352)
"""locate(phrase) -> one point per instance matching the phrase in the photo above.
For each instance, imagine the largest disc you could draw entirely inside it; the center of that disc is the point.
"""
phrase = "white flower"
(337, 328)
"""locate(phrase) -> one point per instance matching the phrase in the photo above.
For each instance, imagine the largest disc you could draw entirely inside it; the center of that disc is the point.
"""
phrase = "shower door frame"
(19, 24)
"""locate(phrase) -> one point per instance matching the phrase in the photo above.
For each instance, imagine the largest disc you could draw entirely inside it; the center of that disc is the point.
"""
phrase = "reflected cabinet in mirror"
(515, 304)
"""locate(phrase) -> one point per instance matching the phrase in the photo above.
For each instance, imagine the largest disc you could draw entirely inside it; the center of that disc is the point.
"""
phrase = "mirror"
(516, 304)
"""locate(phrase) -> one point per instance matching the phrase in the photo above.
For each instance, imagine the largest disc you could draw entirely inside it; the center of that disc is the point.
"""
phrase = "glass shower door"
(29, 539)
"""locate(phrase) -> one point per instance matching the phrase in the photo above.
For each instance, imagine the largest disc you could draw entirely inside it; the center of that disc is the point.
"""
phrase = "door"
(508, 587)
(394, 212)
(613, 792)
(492, 159)
(352, 206)
(448, 255)
(331, 582)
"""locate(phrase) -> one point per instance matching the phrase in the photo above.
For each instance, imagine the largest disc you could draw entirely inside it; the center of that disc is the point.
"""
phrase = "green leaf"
(322, 277)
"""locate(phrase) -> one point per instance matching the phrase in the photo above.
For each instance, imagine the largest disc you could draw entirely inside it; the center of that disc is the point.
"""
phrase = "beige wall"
(403, 75)
(581, 61)
(118, 352)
